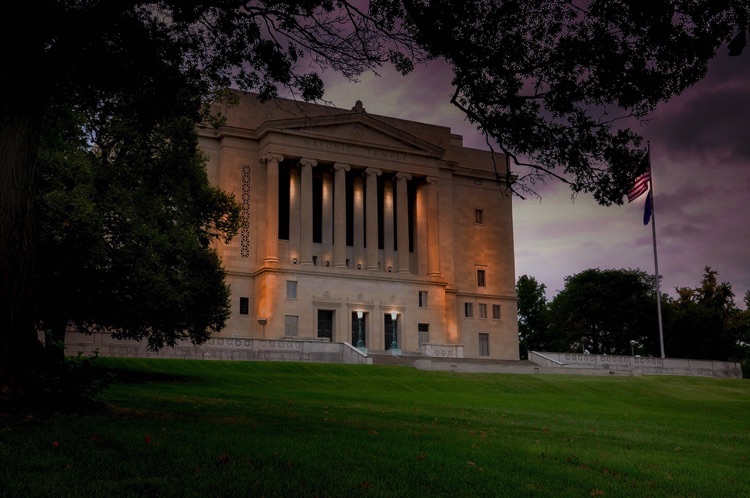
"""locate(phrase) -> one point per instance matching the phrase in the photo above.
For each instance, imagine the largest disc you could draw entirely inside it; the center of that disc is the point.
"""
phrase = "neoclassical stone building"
(364, 227)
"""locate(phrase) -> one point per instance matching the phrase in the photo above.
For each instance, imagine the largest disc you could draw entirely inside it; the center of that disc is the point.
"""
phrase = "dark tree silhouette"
(550, 82)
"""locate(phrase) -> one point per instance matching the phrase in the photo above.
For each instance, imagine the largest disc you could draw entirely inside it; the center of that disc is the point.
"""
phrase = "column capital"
(402, 176)
(307, 162)
(373, 171)
(340, 166)
(431, 180)
(272, 157)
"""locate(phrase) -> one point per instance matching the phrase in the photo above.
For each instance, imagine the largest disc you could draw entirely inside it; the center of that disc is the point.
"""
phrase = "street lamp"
(632, 345)
(360, 342)
(394, 343)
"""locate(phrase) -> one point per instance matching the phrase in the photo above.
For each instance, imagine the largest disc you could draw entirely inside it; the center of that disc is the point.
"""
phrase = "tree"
(601, 311)
(93, 54)
(125, 231)
(704, 322)
(557, 84)
(542, 79)
(533, 316)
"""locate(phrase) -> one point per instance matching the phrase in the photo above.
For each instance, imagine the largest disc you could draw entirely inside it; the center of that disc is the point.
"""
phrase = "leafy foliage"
(704, 322)
(126, 226)
(558, 84)
(550, 82)
(601, 311)
(129, 68)
(533, 317)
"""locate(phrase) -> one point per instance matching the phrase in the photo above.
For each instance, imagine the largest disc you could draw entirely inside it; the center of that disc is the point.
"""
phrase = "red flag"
(641, 185)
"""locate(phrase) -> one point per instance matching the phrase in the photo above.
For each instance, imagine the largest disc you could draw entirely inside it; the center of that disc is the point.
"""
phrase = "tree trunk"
(20, 124)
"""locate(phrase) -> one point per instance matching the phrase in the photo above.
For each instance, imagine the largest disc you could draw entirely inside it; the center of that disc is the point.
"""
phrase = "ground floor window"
(291, 324)
(484, 344)
(244, 305)
(424, 333)
(325, 323)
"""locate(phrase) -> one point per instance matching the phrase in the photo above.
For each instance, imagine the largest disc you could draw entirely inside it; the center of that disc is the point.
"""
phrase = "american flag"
(641, 185)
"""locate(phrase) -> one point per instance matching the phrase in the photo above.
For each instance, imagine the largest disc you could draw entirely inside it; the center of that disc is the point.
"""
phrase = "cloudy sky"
(700, 157)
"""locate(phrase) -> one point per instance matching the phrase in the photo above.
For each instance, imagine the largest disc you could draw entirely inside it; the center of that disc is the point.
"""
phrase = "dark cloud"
(701, 162)
(709, 121)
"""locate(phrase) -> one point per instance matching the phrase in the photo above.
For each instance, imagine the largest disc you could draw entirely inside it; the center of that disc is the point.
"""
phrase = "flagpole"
(656, 259)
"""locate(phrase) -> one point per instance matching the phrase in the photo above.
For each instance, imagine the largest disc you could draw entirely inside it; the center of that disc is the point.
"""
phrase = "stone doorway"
(325, 324)
(388, 330)
(358, 327)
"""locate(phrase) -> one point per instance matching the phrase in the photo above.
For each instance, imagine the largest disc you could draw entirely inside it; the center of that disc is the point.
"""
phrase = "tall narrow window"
(468, 310)
(482, 310)
(479, 216)
(291, 289)
(481, 280)
(422, 299)
(245, 219)
(291, 322)
(496, 312)
(484, 344)
(244, 305)
(424, 333)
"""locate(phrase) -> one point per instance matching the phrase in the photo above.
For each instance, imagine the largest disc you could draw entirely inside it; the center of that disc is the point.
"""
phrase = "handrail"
(547, 358)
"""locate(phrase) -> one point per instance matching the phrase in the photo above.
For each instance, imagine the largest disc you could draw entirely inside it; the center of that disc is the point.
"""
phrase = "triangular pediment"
(354, 128)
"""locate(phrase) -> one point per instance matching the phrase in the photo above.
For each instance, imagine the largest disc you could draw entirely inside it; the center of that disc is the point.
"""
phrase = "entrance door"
(358, 330)
(325, 324)
(388, 328)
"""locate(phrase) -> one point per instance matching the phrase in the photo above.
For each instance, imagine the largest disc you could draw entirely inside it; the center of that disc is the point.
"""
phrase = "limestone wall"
(300, 349)
(643, 365)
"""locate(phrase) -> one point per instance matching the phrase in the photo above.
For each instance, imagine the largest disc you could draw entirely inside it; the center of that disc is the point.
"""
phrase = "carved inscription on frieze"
(388, 155)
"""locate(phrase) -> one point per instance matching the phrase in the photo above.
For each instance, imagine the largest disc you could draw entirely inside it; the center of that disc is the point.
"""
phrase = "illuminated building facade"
(364, 227)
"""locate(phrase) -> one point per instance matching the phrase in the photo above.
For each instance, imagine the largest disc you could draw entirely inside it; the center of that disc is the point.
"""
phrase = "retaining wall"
(636, 364)
(220, 348)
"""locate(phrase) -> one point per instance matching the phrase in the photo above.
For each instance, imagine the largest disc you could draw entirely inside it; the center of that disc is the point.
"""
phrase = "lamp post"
(360, 342)
(632, 345)
(394, 342)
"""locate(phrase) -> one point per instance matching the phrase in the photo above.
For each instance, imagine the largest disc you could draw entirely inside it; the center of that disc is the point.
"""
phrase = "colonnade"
(306, 166)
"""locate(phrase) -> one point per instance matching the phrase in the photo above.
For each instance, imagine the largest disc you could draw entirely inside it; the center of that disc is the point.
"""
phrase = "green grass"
(209, 429)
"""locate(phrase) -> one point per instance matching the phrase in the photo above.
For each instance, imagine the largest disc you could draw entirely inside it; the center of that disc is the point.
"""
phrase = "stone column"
(388, 226)
(293, 251)
(359, 222)
(402, 222)
(339, 215)
(306, 211)
(272, 206)
(433, 240)
(371, 198)
(326, 229)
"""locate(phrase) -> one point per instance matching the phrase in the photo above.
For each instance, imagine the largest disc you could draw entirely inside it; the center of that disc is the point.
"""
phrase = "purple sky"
(700, 157)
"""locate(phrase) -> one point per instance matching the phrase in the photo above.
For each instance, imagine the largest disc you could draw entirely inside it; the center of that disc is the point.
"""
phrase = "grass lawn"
(211, 428)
